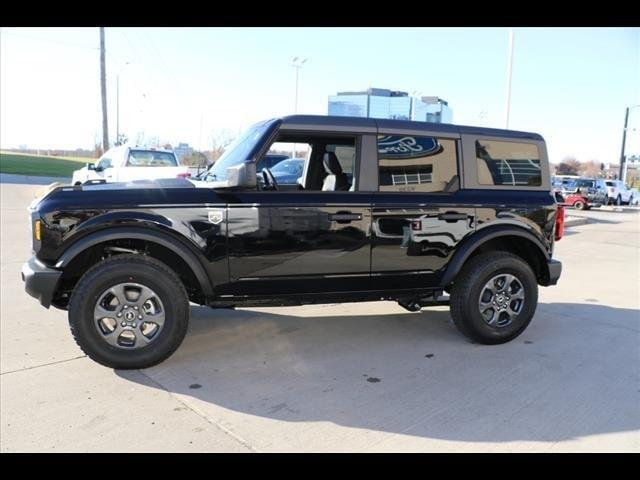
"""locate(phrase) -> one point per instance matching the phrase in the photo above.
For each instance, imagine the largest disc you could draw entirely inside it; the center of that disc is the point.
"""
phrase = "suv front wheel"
(494, 297)
(129, 311)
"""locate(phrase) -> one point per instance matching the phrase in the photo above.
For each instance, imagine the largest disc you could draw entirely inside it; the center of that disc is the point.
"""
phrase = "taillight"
(559, 223)
(183, 175)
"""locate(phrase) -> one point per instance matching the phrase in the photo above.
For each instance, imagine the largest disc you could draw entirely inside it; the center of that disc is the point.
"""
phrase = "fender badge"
(216, 216)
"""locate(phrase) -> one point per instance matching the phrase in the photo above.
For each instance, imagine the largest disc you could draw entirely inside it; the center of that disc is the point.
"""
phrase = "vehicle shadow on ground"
(413, 373)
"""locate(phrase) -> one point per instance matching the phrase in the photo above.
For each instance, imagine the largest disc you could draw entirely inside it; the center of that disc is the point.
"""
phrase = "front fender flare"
(164, 239)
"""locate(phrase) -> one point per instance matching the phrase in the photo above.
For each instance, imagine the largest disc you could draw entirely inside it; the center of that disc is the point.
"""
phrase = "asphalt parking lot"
(351, 377)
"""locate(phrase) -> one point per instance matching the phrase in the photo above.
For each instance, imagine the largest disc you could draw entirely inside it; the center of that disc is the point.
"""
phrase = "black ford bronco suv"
(419, 213)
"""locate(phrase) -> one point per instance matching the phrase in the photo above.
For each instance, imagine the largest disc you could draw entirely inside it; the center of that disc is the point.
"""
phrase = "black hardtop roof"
(366, 122)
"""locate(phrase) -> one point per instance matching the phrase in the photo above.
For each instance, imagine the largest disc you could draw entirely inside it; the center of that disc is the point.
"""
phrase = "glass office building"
(383, 103)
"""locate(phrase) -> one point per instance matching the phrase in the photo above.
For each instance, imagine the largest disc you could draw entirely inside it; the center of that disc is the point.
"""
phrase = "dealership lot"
(351, 377)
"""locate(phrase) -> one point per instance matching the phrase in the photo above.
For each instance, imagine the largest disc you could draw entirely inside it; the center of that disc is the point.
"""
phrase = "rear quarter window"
(508, 163)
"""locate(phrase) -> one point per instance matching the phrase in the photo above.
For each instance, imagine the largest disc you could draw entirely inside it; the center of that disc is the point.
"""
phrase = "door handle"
(344, 217)
(452, 217)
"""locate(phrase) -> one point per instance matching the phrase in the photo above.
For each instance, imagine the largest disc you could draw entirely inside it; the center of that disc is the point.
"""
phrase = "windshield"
(583, 183)
(237, 152)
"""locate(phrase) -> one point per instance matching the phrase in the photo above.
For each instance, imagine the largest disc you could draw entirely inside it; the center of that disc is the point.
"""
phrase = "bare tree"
(590, 168)
(568, 166)
(219, 141)
(194, 159)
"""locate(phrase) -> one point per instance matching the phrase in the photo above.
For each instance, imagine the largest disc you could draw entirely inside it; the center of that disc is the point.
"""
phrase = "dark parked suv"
(418, 213)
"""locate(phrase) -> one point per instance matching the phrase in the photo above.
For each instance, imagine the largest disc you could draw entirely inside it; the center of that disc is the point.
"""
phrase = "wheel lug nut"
(119, 315)
(124, 324)
(135, 308)
(139, 317)
(126, 306)
(134, 325)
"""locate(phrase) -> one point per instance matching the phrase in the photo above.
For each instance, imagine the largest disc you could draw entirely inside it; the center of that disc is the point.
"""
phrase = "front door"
(315, 239)
(282, 243)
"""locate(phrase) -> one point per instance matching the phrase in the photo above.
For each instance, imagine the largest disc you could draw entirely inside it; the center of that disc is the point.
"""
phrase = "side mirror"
(242, 175)
(91, 166)
(98, 169)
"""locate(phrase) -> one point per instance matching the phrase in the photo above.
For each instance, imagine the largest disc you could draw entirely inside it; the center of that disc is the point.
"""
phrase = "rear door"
(417, 216)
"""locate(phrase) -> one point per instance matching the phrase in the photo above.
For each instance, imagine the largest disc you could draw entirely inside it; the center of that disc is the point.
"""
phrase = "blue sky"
(188, 84)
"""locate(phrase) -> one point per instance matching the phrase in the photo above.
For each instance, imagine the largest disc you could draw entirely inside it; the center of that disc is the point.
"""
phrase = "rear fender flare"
(467, 248)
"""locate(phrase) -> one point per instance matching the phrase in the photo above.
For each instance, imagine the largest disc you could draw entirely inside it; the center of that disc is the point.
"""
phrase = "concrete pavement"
(350, 377)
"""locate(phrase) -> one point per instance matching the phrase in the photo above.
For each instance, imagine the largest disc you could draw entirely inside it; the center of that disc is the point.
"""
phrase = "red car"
(577, 201)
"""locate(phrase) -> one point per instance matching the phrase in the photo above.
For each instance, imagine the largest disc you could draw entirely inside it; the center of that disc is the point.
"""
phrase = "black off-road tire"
(466, 291)
(138, 269)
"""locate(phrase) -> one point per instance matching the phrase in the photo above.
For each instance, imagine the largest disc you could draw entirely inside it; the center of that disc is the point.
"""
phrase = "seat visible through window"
(336, 179)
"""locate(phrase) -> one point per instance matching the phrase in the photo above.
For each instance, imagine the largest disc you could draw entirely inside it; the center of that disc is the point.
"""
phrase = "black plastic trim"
(466, 249)
(40, 281)
(163, 239)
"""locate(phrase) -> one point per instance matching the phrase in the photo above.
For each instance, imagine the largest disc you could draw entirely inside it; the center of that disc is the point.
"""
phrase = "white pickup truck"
(124, 164)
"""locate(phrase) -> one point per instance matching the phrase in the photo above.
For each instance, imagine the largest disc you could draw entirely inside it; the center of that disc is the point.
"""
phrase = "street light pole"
(509, 68)
(118, 103)
(296, 63)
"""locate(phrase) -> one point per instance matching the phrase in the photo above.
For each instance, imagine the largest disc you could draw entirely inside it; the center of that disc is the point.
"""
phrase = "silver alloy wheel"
(129, 315)
(501, 300)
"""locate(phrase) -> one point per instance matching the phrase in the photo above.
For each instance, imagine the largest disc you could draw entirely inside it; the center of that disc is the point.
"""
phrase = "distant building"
(183, 150)
(383, 103)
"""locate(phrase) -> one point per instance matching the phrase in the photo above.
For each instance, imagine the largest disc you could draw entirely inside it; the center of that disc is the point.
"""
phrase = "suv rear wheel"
(494, 297)
(129, 311)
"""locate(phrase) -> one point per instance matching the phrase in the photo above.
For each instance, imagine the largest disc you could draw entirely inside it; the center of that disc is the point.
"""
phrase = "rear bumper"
(555, 269)
(40, 281)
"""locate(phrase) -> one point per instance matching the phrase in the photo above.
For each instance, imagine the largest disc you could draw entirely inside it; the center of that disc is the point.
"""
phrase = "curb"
(571, 221)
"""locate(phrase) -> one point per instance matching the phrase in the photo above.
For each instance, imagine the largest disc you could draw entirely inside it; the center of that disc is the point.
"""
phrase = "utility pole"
(509, 68)
(103, 88)
(622, 174)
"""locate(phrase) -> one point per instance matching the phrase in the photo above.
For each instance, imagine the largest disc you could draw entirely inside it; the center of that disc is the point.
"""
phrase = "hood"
(125, 195)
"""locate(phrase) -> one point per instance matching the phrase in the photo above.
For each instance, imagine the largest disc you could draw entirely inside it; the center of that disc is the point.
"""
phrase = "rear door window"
(408, 163)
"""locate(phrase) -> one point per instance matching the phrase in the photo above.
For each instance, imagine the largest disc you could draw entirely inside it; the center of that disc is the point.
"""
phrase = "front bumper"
(555, 269)
(40, 281)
